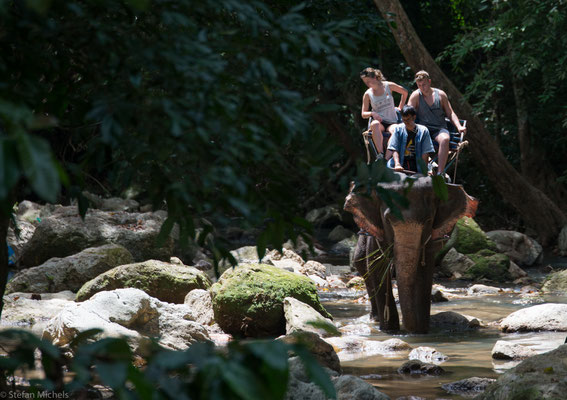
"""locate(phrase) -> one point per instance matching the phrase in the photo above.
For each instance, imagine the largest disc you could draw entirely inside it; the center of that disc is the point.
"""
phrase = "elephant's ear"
(458, 205)
(366, 212)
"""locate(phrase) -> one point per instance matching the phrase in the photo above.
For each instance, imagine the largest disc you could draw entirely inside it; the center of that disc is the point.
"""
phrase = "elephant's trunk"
(413, 275)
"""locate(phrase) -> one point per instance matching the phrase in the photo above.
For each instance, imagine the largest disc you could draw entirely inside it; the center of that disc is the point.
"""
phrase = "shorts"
(434, 132)
(388, 124)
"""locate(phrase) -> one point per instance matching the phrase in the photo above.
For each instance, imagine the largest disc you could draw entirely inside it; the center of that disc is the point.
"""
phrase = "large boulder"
(69, 273)
(489, 265)
(504, 350)
(543, 317)
(200, 302)
(64, 233)
(339, 233)
(111, 203)
(165, 281)
(248, 300)
(539, 377)
(128, 313)
(521, 249)
(453, 322)
(323, 352)
(300, 317)
(455, 264)
(325, 217)
(468, 238)
(555, 282)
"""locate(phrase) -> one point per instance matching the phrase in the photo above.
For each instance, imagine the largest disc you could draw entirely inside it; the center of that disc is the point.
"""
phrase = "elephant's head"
(415, 238)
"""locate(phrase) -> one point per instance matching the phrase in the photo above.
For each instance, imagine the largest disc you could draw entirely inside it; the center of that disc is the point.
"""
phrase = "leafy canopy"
(207, 105)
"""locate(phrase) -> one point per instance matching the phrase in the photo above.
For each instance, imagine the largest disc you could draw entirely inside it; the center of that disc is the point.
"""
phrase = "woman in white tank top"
(378, 104)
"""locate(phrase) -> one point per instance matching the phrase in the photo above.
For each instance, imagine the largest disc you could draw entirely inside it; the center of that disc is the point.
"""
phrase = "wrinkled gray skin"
(415, 240)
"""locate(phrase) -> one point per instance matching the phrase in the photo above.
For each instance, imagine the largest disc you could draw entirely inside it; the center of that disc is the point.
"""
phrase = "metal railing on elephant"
(456, 145)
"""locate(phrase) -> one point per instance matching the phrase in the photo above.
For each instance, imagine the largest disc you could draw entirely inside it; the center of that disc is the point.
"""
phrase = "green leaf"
(272, 352)
(39, 166)
(242, 381)
(112, 374)
(144, 388)
(440, 188)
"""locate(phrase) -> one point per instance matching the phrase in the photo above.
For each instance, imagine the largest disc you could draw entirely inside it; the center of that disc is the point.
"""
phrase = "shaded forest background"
(229, 113)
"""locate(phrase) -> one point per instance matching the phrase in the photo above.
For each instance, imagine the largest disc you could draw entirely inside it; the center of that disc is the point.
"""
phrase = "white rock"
(129, 313)
(298, 314)
(543, 317)
(200, 302)
(504, 350)
(427, 355)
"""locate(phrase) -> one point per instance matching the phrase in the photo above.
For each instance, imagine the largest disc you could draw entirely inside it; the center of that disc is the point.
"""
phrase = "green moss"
(555, 282)
(248, 300)
(489, 265)
(164, 281)
(470, 238)
(467, 238)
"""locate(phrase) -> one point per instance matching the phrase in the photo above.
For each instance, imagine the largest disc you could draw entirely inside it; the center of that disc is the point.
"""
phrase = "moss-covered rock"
(489, 265)
(248, 300)
(539, 377)
(555, 282)
(468, 237)
(164, 281)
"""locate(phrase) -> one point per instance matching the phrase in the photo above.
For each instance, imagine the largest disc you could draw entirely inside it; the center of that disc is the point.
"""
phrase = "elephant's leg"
(360, 262)
(383, 298)
(410, 275)
(424, 285)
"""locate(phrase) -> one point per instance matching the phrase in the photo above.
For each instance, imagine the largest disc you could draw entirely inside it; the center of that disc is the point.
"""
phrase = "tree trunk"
(535, 167)
(537, 210)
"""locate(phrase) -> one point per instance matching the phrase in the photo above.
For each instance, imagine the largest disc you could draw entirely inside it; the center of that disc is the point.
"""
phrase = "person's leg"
(443, 139)
(376, 128)
(391, 129)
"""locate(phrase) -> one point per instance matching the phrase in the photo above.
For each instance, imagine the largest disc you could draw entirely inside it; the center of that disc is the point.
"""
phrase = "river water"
(469, 353)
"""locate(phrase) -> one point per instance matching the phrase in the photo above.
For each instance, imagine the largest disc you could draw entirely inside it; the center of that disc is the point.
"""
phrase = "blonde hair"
(421, 75)
(372, 73)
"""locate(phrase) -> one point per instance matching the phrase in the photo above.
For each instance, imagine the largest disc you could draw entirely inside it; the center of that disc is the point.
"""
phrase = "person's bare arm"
(366, 113)
(394, 87)
(397, 165)
(450, 113)
(414, 99)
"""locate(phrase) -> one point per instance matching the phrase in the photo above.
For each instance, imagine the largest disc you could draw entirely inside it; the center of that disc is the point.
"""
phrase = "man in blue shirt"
(410, 142)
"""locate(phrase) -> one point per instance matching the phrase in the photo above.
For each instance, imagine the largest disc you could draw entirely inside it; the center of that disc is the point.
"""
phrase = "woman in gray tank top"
(378, 106)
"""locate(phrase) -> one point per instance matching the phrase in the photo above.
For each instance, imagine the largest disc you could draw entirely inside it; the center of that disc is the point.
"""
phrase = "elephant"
(408, 246)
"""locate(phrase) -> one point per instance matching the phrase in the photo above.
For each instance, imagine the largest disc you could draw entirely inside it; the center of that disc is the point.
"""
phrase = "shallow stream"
(469, 353)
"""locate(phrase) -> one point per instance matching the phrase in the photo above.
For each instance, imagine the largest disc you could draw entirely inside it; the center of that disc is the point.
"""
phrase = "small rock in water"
(418, 367)
(427, 355)
(468, 387)
(438, 297)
